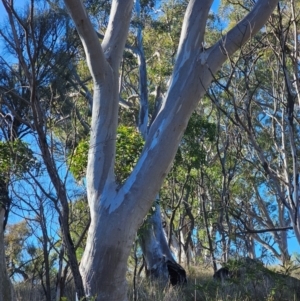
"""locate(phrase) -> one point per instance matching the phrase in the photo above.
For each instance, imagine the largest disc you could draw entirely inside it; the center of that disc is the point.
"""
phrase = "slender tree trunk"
(45, 254)
(144, 126)
(155, 247)
(177, 248)
(188, 245)
(159, 261)
(59, 280)
(63, 206)
(250, 246)
(6, 288)
(282, 236)
(209, 238)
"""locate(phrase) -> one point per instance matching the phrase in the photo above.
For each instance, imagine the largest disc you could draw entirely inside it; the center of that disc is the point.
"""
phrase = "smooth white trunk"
(104, 263)
(155, 247)
(117, 212)
(159, 261)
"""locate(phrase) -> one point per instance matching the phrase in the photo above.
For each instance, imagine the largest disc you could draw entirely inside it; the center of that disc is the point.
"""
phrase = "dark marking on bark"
(266, 167)
(5, 200)
(167, 269)
(177, 274)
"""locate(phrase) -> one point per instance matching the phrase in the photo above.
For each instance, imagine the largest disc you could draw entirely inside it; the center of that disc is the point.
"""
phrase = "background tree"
(262, 110)
(41, 41)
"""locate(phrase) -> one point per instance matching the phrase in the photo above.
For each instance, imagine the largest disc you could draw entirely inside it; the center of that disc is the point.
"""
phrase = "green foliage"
(15, 238)
(16, 157)
(77, 161)
(25, 257)
(161, 37)
(79, 221)
(191, 152)
(129, 146)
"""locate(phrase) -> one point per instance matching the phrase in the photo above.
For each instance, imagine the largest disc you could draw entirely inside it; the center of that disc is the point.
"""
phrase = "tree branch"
(116, 33)
(240, 33)
(264, 230)
(94, 53)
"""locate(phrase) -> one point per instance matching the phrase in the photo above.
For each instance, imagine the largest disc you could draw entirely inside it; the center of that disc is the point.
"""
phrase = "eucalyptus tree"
(42, 49)
(179, 194)
(117, 211)
(32, 253)
(16, 159)
(264, 108)
(6, 289)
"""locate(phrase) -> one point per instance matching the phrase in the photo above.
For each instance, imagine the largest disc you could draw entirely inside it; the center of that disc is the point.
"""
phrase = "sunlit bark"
(117, 212)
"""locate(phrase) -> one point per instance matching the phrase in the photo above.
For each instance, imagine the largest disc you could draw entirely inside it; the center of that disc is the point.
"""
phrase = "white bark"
(143, 114)
(117, 212)
(155, 247)
(154, 244)
(159, 262)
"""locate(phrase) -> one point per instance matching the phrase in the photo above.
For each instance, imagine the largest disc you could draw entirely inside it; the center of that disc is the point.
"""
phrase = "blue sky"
(215, 5)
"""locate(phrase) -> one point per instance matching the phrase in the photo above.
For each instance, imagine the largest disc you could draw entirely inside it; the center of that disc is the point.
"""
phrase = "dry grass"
(27, 292)
(256, 286)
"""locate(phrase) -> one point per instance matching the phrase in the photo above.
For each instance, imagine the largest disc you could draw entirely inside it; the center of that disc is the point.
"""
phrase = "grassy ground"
(255, 286)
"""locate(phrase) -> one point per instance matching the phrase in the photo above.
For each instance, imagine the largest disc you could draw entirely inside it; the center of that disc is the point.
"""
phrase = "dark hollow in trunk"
(177, 274)
(168, 269)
